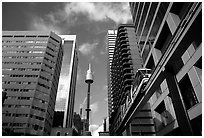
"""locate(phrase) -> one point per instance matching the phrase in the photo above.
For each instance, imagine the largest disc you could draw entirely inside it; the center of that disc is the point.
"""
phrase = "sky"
(90, 23)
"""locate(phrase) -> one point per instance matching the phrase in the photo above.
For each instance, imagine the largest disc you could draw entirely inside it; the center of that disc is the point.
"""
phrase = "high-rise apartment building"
(169, 36)
(110, 43)
(31, 64)
(122, 67)
(126, 61)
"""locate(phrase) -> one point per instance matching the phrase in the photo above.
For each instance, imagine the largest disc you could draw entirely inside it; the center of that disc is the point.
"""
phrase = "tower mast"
(89, 81)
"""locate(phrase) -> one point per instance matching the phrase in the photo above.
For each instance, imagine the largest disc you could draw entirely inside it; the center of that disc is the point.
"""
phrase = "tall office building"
(169, 35)
(31, 64)
(70, 60)
(110, 43)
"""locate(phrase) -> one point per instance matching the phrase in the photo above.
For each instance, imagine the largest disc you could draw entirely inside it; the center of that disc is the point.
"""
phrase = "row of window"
(23, 106)
(37, 117)
(25, 69)
(18, 124)
(18, 90)
(24, 90)
(47, 72)
(19, 98)
(23, 63)
(43, 85)
(24, 57)
(18, 82)
(9, 36)
(16, 106)
(28, 76)
(22, 69)
(53, 45)
(17, 75)
(50, 54)
(38, 108)
(40, 100)
(54, 39)
(49, 60)
(6, 51)
(23, 46)
(51, 49)
(48, 66)
(16, 115)
(35, 127)
(44, 78)
(23, 41)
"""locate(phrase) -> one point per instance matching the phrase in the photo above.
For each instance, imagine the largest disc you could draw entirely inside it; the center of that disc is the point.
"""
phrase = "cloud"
(105, 87)
(87, 48)
(69, 15)
(95, 129)
(106, 99)
(99, 11)
(40, 24)
(103, 52)
(94, 107)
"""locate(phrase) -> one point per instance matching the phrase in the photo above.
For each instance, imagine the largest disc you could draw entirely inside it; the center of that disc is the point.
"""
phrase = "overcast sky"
(90, 22)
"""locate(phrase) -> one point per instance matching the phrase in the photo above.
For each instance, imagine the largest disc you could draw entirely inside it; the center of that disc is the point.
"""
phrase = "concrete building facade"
(31, 64)
(125, 63)
(169, 35)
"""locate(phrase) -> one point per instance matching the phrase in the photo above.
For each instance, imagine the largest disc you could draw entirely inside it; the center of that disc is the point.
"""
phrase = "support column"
(88, 104)
(180, 111)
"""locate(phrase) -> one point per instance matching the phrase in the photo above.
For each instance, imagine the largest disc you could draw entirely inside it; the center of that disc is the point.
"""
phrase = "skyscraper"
(70, 65)
(125, 63)
(111, 38)
(31, 64)
(169, 35)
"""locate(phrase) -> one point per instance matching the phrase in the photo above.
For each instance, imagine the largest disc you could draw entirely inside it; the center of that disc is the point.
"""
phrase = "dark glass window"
(187, 92)
(160, 108)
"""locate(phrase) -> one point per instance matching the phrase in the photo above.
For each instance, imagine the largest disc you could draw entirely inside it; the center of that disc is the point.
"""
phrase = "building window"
(5, 124)
(187, 92)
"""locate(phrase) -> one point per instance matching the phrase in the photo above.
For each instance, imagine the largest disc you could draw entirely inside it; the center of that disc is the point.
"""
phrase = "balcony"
(124, 41)
(126, 58)
(123, 36)
(126, 54)
(127, 82)
(124, 45)
(127, 63)
(122, 29)
(128, 75)
(124, 50)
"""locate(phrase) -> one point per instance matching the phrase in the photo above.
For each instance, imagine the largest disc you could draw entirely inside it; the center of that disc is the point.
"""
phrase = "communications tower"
(89, 81)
